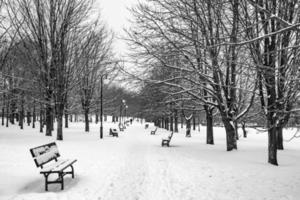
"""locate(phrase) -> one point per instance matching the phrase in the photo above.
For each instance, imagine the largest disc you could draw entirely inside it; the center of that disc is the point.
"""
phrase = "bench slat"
(45, 153)
(58, 166)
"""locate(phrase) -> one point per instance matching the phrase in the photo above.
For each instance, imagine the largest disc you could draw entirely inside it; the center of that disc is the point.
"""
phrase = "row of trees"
(52, 57)
(225, 57)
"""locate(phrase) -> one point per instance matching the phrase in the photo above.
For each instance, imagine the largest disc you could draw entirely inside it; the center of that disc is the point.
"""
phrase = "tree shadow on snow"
(38, 185)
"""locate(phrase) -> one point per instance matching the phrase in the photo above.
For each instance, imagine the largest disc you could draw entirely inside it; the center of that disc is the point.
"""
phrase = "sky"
(115, 14)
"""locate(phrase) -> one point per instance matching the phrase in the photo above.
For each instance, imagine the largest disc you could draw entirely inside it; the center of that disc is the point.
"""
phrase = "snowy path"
(135, 166)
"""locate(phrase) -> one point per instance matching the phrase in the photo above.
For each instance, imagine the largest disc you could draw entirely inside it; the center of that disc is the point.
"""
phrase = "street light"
(126, 107)
(123, 103)
(101, 105)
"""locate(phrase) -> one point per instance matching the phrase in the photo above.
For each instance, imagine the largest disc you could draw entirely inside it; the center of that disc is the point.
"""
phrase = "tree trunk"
(159, 123)
(199, 123)
(167, 123)
(28, 118)
(12, 117)
(209, 126)
(7, 114)
(71, 118)
(33, 116)
(48, 120)
(272, 146)
(97, 118)
(105, 118)
(3, 110)
(244, 129)
(66, 115)
(176, 122)
(279, 138)
(17, 117)
(230, 134)
(194, 121)
(59, 135)
(86, 120)
(41, 120)
(188, 128)
(66, 119)
(171, 123)
(181, 121)
(52, 120)
(22, 115)
(236, 130)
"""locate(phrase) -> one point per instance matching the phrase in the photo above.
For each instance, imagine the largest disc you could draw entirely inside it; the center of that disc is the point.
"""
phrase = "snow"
(45, 154)
(135, 166)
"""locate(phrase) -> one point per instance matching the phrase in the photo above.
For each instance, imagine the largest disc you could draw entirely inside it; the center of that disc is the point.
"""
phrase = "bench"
(166, 141)
(153, 132)
(121, 127)
(43, 155)
(113, 132)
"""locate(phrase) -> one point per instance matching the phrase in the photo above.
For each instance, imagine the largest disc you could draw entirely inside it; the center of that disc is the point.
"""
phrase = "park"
(136, 166)
(149, 99)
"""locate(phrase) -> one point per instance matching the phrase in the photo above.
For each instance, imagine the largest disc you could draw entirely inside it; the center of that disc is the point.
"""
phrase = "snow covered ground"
(135, 166)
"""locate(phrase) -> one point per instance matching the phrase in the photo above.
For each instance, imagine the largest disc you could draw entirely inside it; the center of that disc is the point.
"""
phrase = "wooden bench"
(43, 155)
(113, 132)
(166, 141)
(121, 127)
(153, 132)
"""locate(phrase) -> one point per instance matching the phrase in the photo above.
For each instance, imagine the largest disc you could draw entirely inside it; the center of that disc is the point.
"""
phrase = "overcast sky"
(116, 15)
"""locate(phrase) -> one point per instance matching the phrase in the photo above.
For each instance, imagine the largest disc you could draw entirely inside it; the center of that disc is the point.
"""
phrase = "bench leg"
(46, 181)
(61, 177)
(72, 171)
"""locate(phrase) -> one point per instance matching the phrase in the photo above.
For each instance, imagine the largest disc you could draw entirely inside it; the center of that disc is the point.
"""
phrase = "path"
(135, 166)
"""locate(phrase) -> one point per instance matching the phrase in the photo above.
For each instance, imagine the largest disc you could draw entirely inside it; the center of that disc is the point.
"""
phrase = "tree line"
(237, 59)
(53, 54)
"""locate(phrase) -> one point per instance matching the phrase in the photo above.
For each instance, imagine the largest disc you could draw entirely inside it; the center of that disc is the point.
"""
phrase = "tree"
(273, 42)
(195, 31)
(50, 27)
(95, 55)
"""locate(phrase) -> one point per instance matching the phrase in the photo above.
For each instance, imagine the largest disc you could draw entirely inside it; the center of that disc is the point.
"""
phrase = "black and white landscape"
(150, 99)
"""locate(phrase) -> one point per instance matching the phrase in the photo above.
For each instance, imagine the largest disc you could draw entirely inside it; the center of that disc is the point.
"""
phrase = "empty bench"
(113, 132)
(153, 132)
(43, 155)
(121, 127)
(166, 141)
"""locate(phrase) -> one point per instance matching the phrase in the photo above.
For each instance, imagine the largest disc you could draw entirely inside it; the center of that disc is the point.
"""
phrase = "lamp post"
(101, 105)
(126, 107)
(125, 115)
(123, 103)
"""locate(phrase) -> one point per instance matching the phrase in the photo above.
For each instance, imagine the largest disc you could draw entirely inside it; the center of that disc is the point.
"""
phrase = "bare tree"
(48, 25)
(273, 38)
(195, 30)
(95, 56)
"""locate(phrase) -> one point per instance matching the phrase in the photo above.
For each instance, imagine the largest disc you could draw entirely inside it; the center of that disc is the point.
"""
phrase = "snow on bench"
(153, 132)
(166, 141)
(121, 127)
(113, 132)
(43, 155)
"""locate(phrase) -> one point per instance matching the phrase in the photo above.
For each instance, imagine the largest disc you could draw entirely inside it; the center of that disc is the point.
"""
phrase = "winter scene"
(150, 100)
